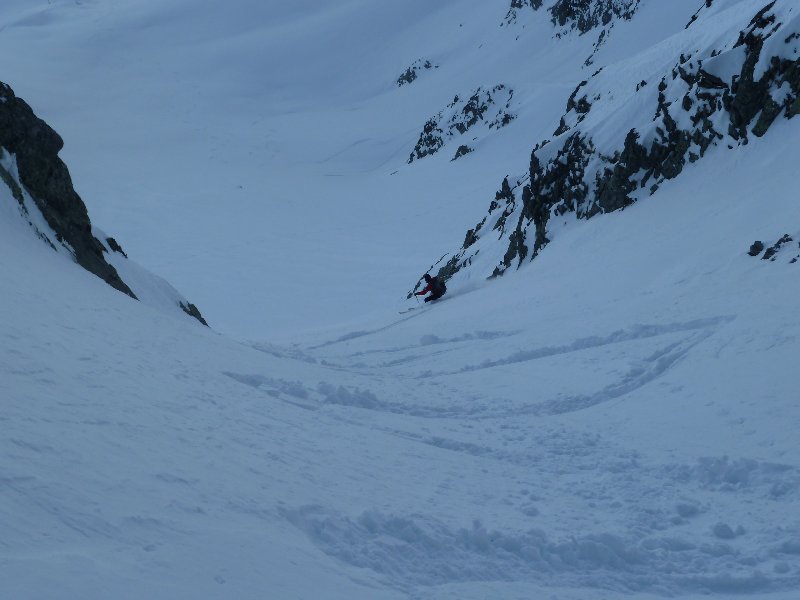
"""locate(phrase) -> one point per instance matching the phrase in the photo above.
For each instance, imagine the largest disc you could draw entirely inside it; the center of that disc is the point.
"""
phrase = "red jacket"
(427, 289)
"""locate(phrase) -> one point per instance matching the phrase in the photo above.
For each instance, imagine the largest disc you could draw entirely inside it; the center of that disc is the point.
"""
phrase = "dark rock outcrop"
(115, 247)
(776, 247)
(561, 184)
(756, 248)
(41, 176)
(46, 178)
(694, 110)
(771, 254)
(518, 5)
(580, 107)
(696, 15)
(191, 310)
(489, 108)
(463, 150)
(585, 15)
(412, 73)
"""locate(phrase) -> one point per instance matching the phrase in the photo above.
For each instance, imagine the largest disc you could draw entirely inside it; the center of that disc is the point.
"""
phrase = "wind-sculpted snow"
(636, 124)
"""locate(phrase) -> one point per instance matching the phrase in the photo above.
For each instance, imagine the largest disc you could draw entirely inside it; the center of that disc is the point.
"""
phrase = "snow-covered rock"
(519, 5)
(479, 114)
(733, 75)
(581, 16)
(32, 170)
(585, 15)
(413, 72)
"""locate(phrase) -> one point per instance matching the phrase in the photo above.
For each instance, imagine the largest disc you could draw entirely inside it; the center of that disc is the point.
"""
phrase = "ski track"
(685, 537)
(644, 371)
(353, 335)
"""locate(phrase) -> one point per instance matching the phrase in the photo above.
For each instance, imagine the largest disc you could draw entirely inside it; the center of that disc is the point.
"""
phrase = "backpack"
(438, 287)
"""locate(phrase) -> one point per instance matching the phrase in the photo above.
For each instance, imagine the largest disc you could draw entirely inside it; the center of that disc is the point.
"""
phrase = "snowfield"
(617, 419)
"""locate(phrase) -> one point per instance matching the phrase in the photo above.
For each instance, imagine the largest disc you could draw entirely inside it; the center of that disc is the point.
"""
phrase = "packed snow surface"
(618, 419)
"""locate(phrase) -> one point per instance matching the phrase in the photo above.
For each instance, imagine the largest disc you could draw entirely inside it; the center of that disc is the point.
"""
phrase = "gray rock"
(518, 5)
(412, 73)
(487, 107)
(756, 248)
(47, 180)
(585, 15)
(775, 248)
(463, 150)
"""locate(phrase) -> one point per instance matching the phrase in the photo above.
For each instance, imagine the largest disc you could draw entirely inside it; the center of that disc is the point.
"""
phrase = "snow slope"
(614, 431)
(284, 121)
(616, 420)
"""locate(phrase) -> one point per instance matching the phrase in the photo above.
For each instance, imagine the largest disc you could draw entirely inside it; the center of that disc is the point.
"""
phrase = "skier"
(435, 286)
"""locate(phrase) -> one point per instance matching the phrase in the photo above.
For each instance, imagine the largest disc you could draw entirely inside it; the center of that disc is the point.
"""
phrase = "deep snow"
(617, 419)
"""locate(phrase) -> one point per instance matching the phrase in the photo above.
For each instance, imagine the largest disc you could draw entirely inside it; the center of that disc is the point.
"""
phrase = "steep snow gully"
(615, 419)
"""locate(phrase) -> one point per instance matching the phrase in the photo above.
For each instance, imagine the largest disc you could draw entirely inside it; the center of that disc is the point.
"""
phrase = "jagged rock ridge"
(582, 16)
(490, 109)
(784, 243)
(585, 15)
(719, 96)
(517, 5)
(43, 174)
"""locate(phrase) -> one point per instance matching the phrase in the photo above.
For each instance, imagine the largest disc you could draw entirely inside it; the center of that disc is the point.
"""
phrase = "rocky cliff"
(46, 178)
(621, 136)
(40, 181)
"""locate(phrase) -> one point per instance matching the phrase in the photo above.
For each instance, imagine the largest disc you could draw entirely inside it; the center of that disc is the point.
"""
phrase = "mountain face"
(35, 147)
(616, 420)
(488, 109)
(583, 15)
(40, 182)
(731, 75)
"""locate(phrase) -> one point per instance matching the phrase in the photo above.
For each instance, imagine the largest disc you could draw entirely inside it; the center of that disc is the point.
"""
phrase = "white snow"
(618, 419)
